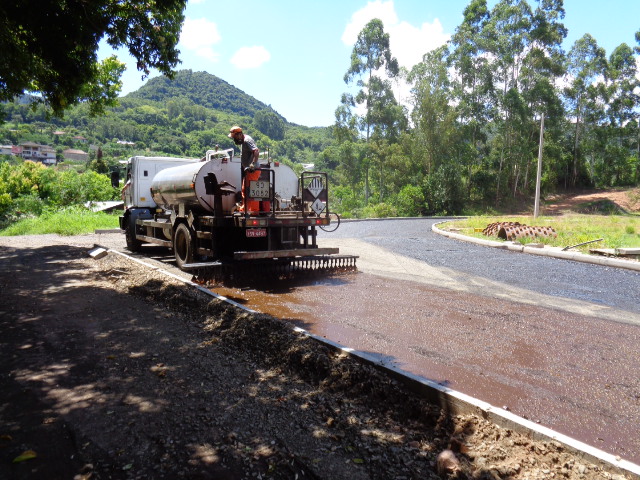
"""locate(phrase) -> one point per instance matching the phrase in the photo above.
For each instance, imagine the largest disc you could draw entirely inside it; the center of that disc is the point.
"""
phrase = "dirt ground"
(109, 369)
(622, 200)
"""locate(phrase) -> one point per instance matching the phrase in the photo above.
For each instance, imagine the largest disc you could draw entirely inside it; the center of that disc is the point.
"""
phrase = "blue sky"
(293, 55)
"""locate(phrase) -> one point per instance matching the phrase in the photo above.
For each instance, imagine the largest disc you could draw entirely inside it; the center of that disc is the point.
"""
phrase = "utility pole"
(536, 208)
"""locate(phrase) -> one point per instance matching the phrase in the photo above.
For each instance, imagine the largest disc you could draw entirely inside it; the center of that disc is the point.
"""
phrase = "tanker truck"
(197, 208)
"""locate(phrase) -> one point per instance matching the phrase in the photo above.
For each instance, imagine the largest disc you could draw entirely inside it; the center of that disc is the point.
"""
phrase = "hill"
(202, 89)
(181, 117)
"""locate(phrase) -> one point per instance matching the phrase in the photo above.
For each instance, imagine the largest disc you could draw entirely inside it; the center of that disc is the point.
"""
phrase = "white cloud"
(250, 57)
(385, 11)
(408, 42)
(198, 36)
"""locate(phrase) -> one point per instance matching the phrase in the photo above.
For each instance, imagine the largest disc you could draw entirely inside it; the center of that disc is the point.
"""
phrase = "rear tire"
(183, 245)
(133, 244)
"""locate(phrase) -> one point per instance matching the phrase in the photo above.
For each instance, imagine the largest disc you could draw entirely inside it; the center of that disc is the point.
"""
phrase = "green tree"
(472, 83)
(433, 115)
(383, 118)
(621, 85)
(270, 124)
(508, 40)
(345, 129)
(443, 191)
(410, 201)
(371, 57)
(586, 62)
(55, 45)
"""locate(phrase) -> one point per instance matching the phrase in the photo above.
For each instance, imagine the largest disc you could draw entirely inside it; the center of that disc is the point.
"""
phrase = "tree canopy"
(49, 49)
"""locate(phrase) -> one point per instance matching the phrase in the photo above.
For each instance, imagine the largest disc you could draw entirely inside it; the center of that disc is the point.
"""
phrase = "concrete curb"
(554, 252)
(185, 281)
(451, 400)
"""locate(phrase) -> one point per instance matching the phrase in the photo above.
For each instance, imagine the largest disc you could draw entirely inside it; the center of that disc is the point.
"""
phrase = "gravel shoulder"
(113, 370)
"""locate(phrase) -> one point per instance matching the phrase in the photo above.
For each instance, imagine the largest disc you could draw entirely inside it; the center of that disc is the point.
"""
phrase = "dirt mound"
(601, 202)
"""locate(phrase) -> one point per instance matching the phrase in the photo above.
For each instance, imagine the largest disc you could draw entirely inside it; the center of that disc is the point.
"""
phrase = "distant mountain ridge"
(202, 89)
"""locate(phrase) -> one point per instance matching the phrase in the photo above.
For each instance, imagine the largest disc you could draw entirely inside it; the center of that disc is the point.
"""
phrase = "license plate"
(256, 232)
(259, 189)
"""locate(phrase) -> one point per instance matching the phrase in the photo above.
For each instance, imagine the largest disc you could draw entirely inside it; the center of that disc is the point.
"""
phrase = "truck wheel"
(183, 245)
(133, 243)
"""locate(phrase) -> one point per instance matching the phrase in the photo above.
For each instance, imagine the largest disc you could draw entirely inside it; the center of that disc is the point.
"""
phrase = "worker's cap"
(235, 129)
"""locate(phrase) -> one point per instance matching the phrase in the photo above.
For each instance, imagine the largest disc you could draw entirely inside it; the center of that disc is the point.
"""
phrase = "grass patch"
(616, 230)
(70, 221)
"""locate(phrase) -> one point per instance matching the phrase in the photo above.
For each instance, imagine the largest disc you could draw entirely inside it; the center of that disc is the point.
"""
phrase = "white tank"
(185, 183)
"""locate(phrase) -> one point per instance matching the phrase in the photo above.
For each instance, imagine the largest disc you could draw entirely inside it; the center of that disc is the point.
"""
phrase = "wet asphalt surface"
(553, 341)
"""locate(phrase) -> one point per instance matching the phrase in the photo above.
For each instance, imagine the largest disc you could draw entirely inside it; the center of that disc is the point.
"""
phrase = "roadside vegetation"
(76, 220)
(35, 199)
(601, 231)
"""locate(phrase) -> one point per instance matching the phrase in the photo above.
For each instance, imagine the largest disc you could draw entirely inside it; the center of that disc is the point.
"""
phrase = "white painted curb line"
(453, 401)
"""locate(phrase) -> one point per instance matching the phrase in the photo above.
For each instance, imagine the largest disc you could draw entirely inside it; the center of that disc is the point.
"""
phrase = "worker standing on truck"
(249, 160)
(249, 150)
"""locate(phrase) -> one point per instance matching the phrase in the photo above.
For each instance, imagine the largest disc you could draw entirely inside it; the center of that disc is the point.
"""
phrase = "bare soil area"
(604, 201)
(109, 369)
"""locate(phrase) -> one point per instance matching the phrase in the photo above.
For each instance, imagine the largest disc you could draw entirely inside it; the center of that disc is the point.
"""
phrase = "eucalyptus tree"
(636, 49)
(586, 63)
(371, 57)
(507, 39)
(524, 47)
(441, 145)
(472, 82)
(621, 86)
(372, 68)
(542, 67)
(434, 116)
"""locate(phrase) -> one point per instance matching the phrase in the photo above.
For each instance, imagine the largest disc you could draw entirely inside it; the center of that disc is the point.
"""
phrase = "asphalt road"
(600, 286)
(555, 341)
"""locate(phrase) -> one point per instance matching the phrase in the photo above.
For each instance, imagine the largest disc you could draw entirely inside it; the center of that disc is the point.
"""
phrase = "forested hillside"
(467, 138)
(202, 89)
(183, 117)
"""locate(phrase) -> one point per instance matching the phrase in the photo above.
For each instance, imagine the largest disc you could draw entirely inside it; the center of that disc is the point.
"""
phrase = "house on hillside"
(14, 150)
(38, 153)
(76, 155)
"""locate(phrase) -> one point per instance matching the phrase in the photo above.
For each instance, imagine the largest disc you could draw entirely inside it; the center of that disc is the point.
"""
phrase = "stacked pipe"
(492, 229)
(515, 230)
